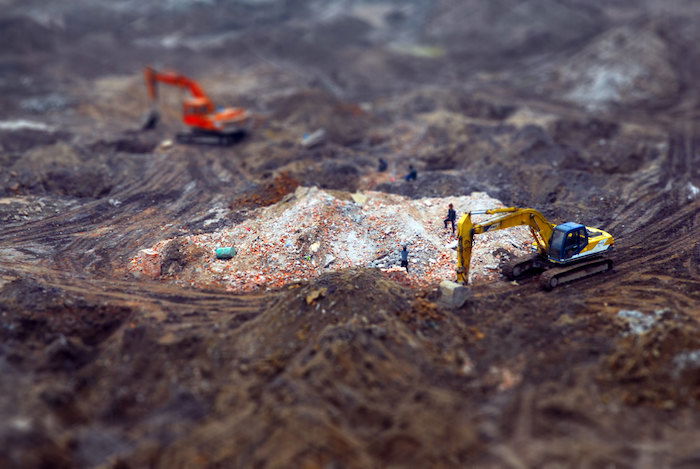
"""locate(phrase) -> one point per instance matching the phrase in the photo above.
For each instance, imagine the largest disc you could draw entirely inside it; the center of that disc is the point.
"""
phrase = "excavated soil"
(586, 110)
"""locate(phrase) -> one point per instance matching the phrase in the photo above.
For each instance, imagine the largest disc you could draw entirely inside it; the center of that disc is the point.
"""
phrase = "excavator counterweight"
(568, 251)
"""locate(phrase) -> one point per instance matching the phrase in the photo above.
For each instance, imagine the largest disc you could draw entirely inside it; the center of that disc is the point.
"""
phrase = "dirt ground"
(586, 110)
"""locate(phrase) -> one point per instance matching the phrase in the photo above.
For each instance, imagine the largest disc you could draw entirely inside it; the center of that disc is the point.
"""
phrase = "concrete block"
(453, 294)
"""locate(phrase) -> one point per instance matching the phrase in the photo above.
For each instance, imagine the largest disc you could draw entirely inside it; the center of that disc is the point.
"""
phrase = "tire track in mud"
(85, 250)
(174, 191)
(657, 229)
(657, 250)
(657, 246)
(147, 295)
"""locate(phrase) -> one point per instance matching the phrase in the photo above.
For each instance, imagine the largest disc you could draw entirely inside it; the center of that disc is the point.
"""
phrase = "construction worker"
(412, 174)
(404, 258)
(383, 165)
(451, 217)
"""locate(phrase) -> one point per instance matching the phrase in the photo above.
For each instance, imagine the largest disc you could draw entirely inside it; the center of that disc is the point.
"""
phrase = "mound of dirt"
(322, 364)
(345, 123)
(23, 209)
(314, 231)
(623, 67)
(660, 348)
(62, 168)
(47, 315)
(510, 27)
(21, 135)
(302, 313)
(22, 35)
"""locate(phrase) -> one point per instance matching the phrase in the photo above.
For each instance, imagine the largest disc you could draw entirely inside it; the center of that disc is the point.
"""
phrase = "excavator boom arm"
(153, 77)
(540, 228)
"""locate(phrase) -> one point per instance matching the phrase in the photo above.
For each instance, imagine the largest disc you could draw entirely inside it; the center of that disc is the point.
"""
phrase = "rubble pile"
(313, 231)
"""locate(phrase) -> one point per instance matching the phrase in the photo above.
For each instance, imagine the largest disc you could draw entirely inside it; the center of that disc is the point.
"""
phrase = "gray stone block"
(453, 294)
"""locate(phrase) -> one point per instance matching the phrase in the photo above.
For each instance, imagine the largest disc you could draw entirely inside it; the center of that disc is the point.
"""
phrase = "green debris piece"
(225, 253)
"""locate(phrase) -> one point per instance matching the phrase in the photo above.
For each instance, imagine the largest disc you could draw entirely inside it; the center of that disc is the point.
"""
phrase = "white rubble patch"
(22, 424)
(21, 124)
(215, 216)
(622, 66)
(604, 84)
(46, 103)
(686, 360)
(640, 323)
(314, 231)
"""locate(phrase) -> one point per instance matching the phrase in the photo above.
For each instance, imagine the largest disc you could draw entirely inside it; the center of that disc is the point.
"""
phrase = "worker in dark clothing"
(404, 258)
(451, 218)
(412, 174)
(382, 165)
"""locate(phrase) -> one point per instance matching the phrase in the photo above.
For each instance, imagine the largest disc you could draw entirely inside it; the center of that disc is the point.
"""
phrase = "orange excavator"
(207, 124)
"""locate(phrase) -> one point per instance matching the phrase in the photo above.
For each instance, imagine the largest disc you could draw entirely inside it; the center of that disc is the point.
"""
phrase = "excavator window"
(557, 242)
(195, 109)
(575, 241)
(571, 244)
(566, 244)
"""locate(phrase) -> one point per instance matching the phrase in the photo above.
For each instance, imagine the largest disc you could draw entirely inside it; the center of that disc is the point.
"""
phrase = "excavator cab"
(568, 240)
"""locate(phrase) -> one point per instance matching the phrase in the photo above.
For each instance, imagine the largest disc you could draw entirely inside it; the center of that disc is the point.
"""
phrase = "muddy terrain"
(586, 110)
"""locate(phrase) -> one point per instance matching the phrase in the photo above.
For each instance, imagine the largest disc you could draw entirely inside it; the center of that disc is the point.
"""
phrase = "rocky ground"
(586, 110)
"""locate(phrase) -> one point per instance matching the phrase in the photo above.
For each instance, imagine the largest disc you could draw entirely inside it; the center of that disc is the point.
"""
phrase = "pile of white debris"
(313, 231)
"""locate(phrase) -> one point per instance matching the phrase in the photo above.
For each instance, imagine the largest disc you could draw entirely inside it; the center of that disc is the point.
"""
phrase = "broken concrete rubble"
(312, 230)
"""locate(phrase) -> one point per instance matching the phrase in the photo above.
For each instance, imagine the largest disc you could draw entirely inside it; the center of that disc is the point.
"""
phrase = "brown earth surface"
(586, 110)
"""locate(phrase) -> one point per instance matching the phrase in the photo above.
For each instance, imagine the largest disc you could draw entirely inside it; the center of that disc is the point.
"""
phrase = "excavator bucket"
(150, 120)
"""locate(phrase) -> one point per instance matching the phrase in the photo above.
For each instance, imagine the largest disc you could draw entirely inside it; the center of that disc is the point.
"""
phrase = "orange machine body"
(198, 111)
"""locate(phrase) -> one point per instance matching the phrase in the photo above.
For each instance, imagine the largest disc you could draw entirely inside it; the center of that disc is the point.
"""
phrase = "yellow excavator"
(567, 252)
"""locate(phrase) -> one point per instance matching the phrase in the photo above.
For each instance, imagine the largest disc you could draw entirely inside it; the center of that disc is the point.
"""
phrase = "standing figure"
(451, 217)
(412, 174)
(383, 165)
(404, 258)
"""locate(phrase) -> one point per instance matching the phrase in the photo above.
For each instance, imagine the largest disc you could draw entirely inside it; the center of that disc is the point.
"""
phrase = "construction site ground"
(124, 342)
